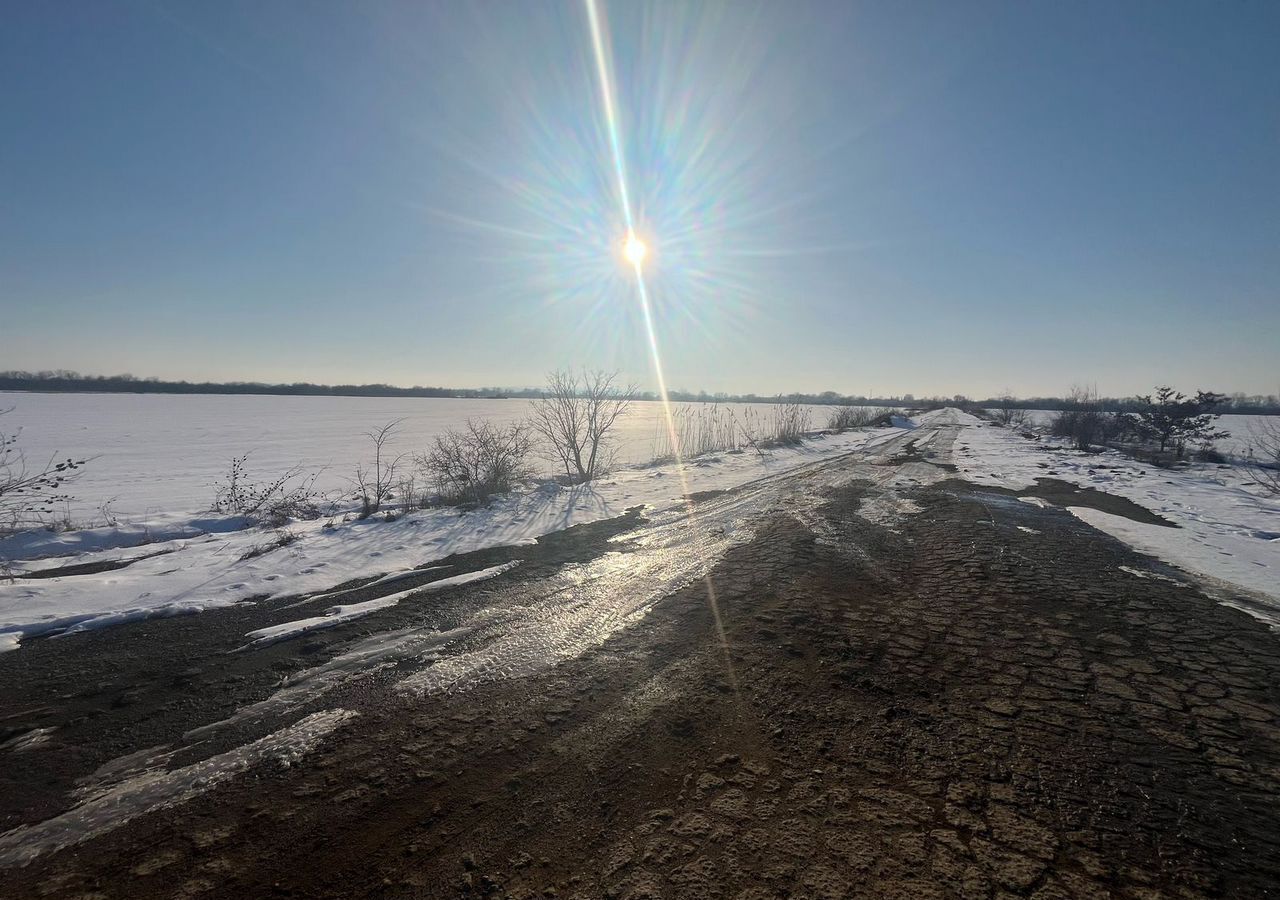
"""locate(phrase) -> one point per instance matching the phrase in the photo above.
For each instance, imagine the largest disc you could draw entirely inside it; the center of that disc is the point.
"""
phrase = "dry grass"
(843, 418)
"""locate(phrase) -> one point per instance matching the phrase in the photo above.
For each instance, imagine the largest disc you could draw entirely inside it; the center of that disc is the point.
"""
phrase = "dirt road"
(865, 678)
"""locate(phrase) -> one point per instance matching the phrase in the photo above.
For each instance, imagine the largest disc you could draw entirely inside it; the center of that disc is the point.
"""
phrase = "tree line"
(63, 380)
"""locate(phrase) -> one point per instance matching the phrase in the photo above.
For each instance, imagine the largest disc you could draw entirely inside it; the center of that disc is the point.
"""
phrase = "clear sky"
(863, 197)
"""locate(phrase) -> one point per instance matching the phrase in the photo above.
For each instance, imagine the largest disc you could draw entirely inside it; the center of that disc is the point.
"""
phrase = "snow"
(207, 571)
(1228, 528)
(1228, 531)
(341, 614)
(159, 456)
(334, 616)
(34, 545)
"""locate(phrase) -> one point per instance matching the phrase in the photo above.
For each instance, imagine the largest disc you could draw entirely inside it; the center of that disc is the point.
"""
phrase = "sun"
(634, 250)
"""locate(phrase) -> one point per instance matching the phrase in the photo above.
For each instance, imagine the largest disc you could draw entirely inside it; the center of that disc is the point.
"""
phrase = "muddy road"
(863, 678)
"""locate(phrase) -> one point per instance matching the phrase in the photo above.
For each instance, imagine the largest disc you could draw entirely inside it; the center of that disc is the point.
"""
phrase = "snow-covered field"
(1228, 527)
(158, 455)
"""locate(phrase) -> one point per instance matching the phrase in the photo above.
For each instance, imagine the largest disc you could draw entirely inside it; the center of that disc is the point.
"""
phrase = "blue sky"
(880, 197)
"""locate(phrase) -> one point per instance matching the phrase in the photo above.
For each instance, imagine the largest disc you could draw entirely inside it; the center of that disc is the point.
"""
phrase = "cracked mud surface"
(944, 706)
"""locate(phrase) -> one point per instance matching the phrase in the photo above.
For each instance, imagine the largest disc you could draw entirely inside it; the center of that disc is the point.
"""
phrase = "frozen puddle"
(153, 790)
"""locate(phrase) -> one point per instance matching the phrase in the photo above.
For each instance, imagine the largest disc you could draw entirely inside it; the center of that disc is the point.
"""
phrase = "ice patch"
(332, 618)
(27, 740)
(152, 790)
(887, 509)
(373, 654)
(385, 579)
(340, 615)
(1138, 573)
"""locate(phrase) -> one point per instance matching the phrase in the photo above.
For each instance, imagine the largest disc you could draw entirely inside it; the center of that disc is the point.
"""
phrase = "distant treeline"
(1237, 404)
(129, 384)
(66, 381)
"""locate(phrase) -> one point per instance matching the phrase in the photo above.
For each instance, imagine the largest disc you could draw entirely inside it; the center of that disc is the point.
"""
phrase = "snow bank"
(35, 545)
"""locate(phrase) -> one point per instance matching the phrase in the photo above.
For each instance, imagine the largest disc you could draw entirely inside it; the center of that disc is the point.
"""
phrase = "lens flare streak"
(635, 251)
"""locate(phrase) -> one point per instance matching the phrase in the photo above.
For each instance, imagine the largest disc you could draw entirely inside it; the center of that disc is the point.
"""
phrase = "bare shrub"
(478, 461)
(1208, 453)
(106, 515)
(291, 495)
(29, 495)
(374, 486)
(1006, 414)
(1084, 422)
(843, 418)
(282, 538)
(576, 416)
(409, 492)
(1264, 454)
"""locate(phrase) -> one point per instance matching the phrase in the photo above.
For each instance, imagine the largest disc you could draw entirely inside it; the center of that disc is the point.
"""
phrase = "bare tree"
(1083, 421)
(1007, 414)
(29, 494)
(576, 417)
(374, 486)
(479, 461)
(1264, 454)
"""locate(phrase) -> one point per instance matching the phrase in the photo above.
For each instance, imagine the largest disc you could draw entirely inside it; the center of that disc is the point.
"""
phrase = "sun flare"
(634, 250)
